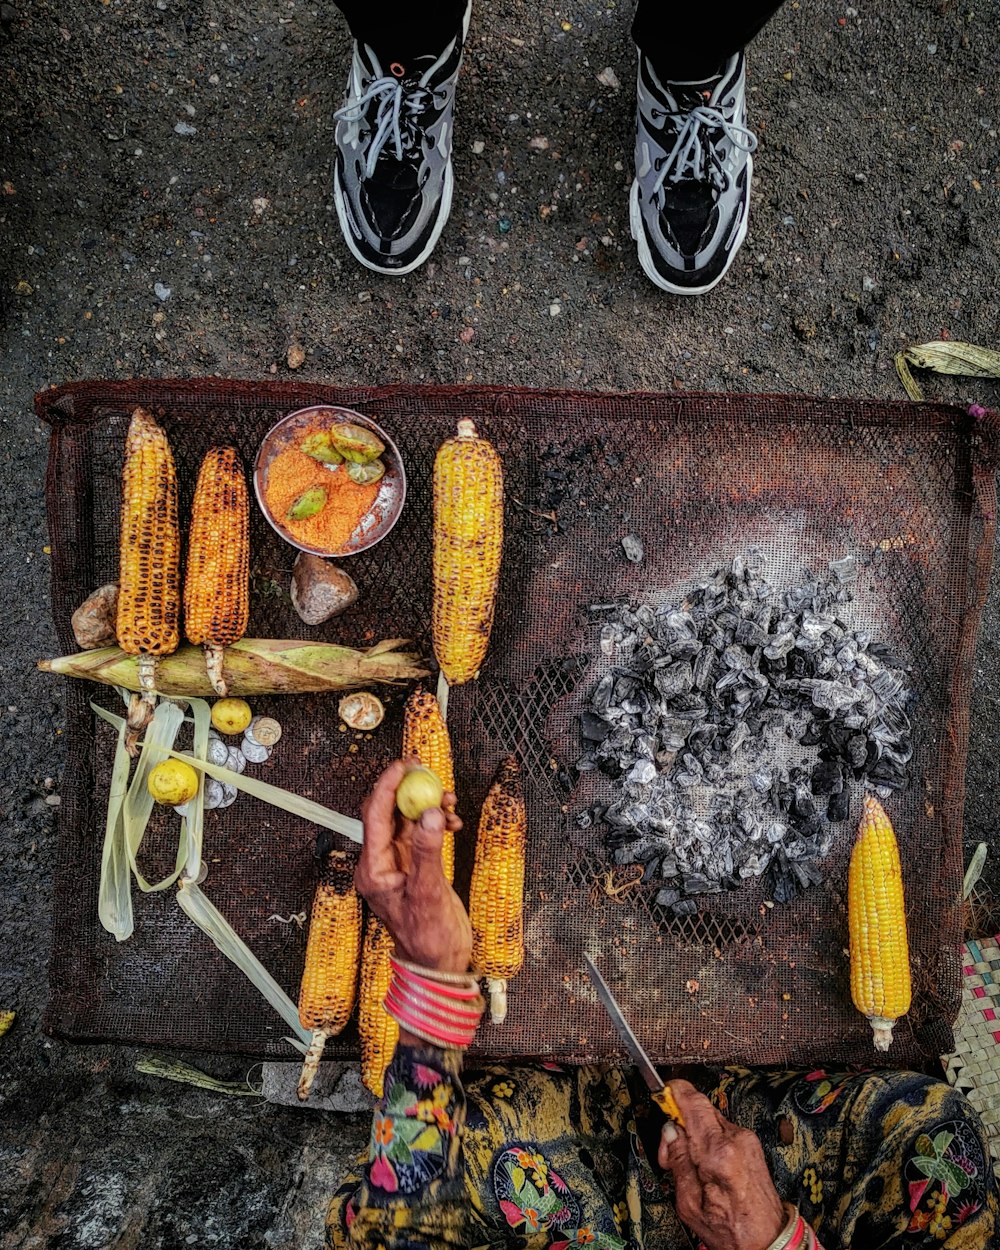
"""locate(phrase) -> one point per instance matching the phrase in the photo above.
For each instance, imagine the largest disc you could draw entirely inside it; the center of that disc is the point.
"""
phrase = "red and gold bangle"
(441, 1008)
(796, 1235)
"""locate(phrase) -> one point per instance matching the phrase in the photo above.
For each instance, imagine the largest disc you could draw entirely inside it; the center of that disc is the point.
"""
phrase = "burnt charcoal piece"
(839, 806)
(632, 546)
(667, 897)
(695, 720)
(827, 778)
(593, 728)
(686, 907)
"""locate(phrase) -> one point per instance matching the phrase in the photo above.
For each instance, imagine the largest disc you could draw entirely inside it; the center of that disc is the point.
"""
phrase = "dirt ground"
(165, 209)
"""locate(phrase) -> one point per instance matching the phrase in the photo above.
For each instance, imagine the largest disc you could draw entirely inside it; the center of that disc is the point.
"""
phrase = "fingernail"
(669, 1134)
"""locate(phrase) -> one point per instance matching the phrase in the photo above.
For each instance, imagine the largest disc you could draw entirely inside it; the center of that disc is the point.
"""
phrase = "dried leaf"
(957, 359)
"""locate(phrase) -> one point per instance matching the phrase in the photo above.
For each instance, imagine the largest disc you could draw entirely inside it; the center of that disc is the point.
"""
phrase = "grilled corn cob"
(496, 897)
(330, 977)
(149, 574)
(425, 735)
(379, 1031)
(468, 539)
(217, 583)
(880, 960)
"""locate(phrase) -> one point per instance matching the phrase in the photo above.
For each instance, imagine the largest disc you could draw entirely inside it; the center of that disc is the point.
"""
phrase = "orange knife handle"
(665, 1100)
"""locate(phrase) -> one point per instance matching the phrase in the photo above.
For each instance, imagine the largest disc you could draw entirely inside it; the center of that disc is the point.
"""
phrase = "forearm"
(413, 1189)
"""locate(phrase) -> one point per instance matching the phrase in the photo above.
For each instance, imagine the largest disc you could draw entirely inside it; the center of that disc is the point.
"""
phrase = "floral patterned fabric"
(547, 1158)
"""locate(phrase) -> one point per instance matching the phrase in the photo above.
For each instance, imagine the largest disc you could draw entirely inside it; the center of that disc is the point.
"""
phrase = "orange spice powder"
(291, 473)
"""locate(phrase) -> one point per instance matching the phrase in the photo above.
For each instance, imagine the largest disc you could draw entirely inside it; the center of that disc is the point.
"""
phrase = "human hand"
(400, 875)
(724, 1191)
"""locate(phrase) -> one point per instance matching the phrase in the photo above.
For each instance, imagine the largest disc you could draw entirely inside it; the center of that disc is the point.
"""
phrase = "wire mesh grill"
(907, 489)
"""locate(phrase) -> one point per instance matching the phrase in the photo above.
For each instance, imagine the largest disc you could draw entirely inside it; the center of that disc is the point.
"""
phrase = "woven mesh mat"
(908, 489)
(974, 1067)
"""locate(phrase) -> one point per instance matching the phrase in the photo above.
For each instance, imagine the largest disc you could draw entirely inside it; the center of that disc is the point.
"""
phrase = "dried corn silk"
(290, 474)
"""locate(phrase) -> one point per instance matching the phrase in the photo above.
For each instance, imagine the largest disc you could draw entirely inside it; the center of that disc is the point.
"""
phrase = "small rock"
(633, 548)
(53, 800)
(467, 334)
(608, 78)
(162, 292)
(94, 620)
(538, 144)
(296, 356)
(478, 147)
(867, 283)
(260, 204)
(185, 128)
(555, 309)
(319, 589)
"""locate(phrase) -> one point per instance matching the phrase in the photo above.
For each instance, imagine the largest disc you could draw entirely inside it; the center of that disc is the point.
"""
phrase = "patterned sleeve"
(412, 1191)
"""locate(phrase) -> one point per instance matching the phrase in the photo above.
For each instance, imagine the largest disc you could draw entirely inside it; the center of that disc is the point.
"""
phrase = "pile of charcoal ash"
(734, 727)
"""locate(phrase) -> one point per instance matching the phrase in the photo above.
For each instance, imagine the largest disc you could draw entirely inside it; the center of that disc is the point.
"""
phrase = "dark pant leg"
(691, 41)
(402, 29)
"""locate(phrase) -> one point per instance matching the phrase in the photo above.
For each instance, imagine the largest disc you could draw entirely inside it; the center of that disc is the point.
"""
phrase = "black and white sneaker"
(693, 165)
(392, 178)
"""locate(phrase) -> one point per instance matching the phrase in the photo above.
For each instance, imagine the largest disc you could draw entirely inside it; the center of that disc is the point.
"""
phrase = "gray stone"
(319, 589)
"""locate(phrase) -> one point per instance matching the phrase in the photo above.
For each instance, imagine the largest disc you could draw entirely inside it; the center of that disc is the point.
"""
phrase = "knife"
(662, 1096)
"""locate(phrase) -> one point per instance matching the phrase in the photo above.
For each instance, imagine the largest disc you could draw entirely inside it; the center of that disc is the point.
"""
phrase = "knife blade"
(660, 1091)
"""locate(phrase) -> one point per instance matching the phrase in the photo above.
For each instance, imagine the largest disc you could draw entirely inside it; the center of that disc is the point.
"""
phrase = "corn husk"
(287, 800)
(174, 1070)
(253, 666)
(959, 359)
(211, 921)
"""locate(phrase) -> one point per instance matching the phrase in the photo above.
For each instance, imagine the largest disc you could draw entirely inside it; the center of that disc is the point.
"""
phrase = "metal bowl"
(384, 512)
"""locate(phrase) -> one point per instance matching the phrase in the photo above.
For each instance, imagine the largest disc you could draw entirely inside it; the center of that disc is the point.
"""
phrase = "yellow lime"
(419, 790)
(173, 782)
(231, 716)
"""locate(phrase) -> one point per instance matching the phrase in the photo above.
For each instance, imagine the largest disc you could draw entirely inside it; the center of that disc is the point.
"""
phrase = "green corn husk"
(287, 800)
(254, 666)
(174, 1070)
(959, 359)
(210, 920)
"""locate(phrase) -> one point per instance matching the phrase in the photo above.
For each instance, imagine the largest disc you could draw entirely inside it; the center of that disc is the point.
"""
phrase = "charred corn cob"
(379, 1031)
(149, 572)
(496, 897)
(425, 735)
(880, 959)
(217, 582)
(330, 977)
(468, 539)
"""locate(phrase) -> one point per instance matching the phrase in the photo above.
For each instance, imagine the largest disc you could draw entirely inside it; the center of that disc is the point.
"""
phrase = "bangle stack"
(796, 1233)
(442, 1008)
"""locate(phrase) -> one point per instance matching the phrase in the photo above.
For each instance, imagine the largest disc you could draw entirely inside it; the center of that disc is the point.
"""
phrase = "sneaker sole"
(646, 256)
(443, 213)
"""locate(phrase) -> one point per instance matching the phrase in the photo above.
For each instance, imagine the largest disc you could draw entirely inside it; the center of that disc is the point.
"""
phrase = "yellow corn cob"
(217, 583)
(425, 735)
(468, 539)
(496, 897)
(880, 958)
(330, 976)
(149, 569)
(379, 1031)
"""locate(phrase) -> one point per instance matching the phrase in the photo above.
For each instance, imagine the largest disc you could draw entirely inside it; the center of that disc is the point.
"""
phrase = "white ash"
(733, 726)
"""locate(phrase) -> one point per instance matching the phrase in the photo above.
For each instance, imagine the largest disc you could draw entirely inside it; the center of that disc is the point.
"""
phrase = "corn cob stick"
(880, 959)
(217, 583)
(468, 541)
(149, 550)
(425, 735)
(330, 976)
(379, 1031)
(253, 666)
(496, 896)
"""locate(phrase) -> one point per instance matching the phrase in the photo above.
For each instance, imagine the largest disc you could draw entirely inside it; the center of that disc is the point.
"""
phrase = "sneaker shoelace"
(400, 103)
(693, 156)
